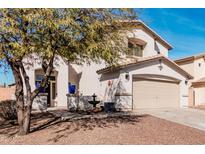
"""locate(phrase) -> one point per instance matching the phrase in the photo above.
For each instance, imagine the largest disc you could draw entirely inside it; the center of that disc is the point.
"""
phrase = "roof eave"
(108, 70)
(190, 58)
(183, 60)
(155, 35)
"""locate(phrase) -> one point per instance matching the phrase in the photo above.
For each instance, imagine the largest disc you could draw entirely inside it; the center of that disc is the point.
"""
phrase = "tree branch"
(26, 80)
(47, 74)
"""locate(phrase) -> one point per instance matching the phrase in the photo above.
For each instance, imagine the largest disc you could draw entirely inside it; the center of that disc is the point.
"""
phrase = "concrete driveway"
(190, 117)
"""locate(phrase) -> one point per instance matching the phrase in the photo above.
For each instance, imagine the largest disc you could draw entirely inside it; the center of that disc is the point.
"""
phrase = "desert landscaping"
(48, 128)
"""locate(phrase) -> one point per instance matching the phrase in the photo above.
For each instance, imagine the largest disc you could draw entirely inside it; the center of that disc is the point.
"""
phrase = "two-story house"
(146, 78)
(195, 65)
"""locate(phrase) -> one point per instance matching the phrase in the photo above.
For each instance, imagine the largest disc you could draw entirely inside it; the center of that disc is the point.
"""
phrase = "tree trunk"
(24, 117)
(27, 101)
(20, 116)
(27, 119)
(24, 99)
(19, 95)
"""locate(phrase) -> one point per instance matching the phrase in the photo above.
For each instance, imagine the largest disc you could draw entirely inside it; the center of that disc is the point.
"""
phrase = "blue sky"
(184, 29)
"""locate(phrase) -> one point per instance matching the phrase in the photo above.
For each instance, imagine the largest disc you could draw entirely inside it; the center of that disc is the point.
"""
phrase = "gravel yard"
(145, 129)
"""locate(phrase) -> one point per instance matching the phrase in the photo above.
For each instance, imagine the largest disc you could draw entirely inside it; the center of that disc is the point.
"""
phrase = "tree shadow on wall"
(115, 88)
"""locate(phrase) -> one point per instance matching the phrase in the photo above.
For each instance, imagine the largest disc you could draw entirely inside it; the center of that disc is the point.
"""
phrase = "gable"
(162, 68)
(152, 46)
(141, 25)
(155, 61)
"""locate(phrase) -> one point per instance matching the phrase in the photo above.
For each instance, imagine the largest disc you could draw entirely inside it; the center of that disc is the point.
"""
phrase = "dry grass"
(48, 129)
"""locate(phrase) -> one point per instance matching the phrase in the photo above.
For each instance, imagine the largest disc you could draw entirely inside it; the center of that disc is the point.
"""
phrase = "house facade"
(55, 92)
(195, 65)
(146, 78)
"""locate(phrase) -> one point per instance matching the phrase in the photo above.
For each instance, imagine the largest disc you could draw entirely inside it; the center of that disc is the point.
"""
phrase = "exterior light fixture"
(160, 64)
(186, 81)
(127, 76)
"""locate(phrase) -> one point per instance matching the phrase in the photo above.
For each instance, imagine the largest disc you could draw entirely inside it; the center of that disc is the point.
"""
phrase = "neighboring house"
(146, 78)
(195, 65)
(7, 92)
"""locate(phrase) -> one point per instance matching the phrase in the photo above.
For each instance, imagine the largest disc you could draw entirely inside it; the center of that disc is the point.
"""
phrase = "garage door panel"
(155, 94)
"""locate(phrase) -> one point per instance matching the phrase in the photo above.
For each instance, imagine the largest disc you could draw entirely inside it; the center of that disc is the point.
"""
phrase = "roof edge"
(112, 68)
(155, 35)
(189, 58)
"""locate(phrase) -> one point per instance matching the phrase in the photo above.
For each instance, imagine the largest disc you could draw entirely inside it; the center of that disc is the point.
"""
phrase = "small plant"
(8, 110)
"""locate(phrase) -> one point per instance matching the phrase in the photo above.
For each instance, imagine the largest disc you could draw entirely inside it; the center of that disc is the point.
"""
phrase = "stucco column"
(62, 85)
(191, 97)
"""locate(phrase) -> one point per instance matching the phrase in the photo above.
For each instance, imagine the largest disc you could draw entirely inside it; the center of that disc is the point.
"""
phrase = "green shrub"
(8, 110)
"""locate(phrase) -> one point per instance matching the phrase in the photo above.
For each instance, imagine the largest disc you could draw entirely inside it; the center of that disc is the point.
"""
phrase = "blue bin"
(71, 89)
(41, 90)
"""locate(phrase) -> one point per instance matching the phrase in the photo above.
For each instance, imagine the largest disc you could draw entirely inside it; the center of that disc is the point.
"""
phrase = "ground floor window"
(38, 81)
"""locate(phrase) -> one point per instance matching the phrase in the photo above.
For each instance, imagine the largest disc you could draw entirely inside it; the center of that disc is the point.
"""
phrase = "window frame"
(135, 49)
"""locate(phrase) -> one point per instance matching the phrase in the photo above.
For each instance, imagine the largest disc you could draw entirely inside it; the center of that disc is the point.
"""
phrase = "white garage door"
(155, 94)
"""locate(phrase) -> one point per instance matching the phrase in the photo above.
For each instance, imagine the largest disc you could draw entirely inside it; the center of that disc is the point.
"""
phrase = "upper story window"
(136, 46)
(135, 50)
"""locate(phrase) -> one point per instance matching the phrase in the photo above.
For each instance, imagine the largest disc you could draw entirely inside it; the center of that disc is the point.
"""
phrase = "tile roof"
(200, 80)
(189, 58)
(148, 29)
(136, 61)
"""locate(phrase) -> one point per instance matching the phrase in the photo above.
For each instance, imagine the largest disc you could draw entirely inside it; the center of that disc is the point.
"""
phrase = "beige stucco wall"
(62, 83)
(62, 77)
(89, 80)
(197, 95)
(189, 67)
(193, 68)
(148, 68)
(149, 49)
(199, 71)
(108, 90)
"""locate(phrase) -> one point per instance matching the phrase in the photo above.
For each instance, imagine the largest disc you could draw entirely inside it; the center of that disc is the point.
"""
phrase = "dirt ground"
(146, 129)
